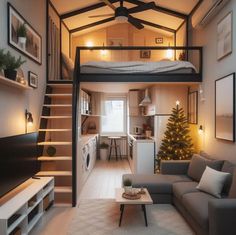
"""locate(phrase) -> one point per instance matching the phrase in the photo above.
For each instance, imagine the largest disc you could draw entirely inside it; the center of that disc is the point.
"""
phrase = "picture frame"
(159, 40)
(225, 108)
(29, 45)
(32, 80)
(193, 107)
(145, 54)
(224, 36)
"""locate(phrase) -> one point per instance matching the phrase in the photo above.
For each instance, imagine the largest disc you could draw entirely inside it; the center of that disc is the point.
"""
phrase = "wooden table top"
(145, 198)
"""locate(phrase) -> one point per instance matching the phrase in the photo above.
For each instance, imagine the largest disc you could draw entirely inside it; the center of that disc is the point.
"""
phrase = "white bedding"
(136, 66)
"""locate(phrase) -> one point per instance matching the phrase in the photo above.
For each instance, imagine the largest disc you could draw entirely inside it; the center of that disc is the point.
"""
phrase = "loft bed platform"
(110, 71)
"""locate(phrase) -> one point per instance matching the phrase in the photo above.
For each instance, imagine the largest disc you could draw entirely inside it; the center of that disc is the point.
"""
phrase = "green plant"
(2, 58)
(51, 151)
(104, 145)
(21, 31)
(11, 63)
(127, 182)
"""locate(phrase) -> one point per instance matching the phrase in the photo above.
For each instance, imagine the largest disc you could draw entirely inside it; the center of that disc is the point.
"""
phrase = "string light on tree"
(177, 143)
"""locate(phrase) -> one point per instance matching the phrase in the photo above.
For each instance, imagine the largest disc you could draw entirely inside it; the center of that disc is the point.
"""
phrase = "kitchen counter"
(86, 138)
(141, 138)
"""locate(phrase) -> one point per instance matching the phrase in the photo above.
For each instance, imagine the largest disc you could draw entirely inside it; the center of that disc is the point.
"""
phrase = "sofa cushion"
(157, 183)
(228, 167)
(213, 181)
(180, 188)
(198, 165)
(232, 192)
(197, 206)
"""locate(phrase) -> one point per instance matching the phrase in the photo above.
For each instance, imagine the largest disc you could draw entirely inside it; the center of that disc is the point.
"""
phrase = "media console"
(21, 213)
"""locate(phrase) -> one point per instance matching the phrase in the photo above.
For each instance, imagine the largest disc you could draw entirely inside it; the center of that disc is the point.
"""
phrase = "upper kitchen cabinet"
(164, 97)
(133, 101)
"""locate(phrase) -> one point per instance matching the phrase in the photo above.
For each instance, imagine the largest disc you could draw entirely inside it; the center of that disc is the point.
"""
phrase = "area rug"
(101, 216)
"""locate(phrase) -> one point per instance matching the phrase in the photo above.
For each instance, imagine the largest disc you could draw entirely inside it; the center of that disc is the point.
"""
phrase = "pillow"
(232, 191)
(212, 182)
(198, 165)
(228, 167)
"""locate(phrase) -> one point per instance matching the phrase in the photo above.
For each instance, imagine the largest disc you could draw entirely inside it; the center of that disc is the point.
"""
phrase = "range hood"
(146, 99)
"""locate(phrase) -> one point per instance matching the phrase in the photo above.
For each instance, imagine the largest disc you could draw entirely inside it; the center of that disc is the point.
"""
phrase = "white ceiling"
(65, 6)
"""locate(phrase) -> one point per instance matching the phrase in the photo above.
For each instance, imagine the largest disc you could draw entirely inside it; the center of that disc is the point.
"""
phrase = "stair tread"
(57, 105)
(56, 117)
(54, 173)
(59, 94)
(63, 189)
(55, 143)
(55, 158)
(55, 129)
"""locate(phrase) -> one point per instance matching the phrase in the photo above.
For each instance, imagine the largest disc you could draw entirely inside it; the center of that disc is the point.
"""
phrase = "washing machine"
(94, 151)
(85, 156)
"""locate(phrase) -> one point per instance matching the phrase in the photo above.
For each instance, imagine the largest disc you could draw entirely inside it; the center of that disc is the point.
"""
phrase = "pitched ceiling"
(81, 22)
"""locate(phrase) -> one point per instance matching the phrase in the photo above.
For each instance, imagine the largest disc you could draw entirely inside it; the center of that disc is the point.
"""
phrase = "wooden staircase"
(56, 130)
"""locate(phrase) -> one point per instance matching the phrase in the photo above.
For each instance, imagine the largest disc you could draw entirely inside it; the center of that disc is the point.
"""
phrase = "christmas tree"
(177, 144)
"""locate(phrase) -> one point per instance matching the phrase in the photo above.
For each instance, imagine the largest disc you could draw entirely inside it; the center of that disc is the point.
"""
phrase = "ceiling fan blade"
(135, 22)
(109, 4)
(104, 15)
(144, 7)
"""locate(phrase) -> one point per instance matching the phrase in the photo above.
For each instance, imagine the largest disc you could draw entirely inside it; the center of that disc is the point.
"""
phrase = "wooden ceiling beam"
(92, 25)
(156, 26)
(85, 9)
(161, 9)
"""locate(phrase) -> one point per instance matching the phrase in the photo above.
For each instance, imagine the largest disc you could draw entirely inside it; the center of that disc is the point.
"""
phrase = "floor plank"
(105, 177)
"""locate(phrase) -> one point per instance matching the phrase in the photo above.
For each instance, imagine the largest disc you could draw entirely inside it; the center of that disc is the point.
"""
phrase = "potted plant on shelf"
(2, 56)
(11, 64)
(104, 151)
(128, 186)
(22, 35)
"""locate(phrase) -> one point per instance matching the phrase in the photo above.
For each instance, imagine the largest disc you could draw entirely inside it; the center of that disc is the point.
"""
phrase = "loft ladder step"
(56, 117)
(54, 173)
(55, 158)
(60, 85)
(57, 105)
(48, 130)
(63, 189)
(54, 143)
(62, 95)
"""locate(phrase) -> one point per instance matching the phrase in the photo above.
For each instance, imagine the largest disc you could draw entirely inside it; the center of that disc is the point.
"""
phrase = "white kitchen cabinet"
(164, 98)
(134, 100)
(96, 103)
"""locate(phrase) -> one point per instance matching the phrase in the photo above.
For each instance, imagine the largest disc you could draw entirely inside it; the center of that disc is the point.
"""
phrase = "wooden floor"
(105, 177)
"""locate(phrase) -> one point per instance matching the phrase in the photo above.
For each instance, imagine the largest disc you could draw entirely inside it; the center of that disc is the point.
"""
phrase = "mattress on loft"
(138, 67)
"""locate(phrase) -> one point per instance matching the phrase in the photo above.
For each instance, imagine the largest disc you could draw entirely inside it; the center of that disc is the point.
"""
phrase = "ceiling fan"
(122, 13)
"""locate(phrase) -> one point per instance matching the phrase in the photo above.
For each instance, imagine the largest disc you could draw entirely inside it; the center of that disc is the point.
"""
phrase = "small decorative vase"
(128, 190)
(11, 74)
(22, 42)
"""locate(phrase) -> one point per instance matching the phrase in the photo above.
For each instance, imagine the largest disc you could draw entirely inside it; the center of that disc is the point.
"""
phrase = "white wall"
(213, 70)
(13, 101)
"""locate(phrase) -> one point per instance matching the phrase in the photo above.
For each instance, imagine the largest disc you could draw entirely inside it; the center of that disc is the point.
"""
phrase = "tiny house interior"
(100, 84)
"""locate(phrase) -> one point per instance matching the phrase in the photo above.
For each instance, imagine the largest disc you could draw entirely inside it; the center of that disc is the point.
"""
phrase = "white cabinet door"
(134, 103)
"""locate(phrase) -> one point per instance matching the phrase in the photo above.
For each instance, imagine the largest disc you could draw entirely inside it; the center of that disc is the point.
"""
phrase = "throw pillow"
(212, 182)
(198, 165)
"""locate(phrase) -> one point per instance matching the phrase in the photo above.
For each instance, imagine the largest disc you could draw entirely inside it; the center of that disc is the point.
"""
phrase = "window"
(114, 120)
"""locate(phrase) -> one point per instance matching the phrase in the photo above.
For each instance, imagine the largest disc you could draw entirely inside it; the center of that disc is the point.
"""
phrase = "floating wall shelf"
(12, 83)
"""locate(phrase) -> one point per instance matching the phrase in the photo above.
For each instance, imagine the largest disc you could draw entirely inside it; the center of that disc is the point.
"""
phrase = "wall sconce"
(169, 53)
(200, 129)
(103, 51)
(28, 120)
(177, 102)
(89, 44)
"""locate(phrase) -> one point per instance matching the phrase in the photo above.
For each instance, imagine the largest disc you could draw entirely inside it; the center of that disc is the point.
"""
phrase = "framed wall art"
(193, 107)
(225, 108)
(22, 36)
(145, 54)
(32, 79)
(224, 36)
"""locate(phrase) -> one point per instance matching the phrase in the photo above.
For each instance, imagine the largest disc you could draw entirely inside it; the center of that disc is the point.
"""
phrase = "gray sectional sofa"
(177, 183)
